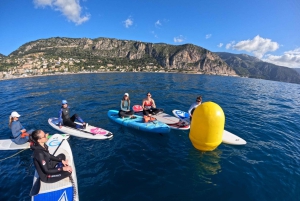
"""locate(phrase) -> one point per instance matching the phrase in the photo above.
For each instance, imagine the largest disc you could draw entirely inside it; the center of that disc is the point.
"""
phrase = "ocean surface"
(137, 165)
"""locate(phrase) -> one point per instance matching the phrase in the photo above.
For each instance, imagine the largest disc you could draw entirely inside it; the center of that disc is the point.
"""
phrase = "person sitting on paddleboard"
(50, 168)
(64, 117)
(194, 106)
(149, 106)
(125, 107)
(20, 136)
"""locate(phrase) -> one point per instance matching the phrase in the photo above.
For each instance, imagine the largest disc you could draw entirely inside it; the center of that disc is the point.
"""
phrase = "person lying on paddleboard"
(149, 107)
(50, 168)
(20, 136)
(125, 107)
(64, 117)
(194, 106)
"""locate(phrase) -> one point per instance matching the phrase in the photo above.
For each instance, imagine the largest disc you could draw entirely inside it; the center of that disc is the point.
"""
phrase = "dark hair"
(199, 98)
(33, 138)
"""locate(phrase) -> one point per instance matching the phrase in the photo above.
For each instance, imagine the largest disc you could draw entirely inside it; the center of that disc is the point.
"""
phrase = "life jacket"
(148, 119)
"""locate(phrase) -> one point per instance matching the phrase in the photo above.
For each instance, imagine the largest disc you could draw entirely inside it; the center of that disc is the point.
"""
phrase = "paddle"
(35, 188)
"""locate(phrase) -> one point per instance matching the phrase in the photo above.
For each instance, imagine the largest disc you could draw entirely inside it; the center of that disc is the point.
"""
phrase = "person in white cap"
(65, 119)
(20, 136)
(125, 107)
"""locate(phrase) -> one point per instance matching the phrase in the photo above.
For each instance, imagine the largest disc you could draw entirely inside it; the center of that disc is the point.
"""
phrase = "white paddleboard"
(64, 189)
(228, 138)
(166, 118)
(9, 144)
(89, 132)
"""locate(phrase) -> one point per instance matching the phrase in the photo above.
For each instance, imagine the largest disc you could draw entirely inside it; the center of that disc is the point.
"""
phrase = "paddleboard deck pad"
(64, 189)
(138, 123)
(228, 138)
(181, 125)
(89, 132)
(9, 144)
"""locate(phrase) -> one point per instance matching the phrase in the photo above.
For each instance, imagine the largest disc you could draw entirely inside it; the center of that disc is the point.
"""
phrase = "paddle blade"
(35, 188)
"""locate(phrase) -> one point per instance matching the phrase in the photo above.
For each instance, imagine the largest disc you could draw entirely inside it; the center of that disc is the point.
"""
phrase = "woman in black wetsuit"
(50, 168)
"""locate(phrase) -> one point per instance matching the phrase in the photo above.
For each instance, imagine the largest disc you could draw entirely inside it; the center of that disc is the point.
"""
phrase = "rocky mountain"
(2, 56)
(248, 66)
(186, 57)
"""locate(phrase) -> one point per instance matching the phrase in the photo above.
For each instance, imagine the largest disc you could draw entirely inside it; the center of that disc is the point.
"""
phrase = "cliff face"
(248, 66)
(182, 57)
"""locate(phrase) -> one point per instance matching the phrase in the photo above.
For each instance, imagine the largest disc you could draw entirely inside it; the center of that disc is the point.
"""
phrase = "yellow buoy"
(207, 126)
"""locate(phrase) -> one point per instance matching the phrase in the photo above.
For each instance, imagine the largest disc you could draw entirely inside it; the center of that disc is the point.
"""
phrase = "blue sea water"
(136, 165)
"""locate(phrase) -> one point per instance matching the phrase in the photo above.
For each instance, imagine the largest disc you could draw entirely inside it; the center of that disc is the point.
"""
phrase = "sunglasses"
(198, 101)
(149, 95)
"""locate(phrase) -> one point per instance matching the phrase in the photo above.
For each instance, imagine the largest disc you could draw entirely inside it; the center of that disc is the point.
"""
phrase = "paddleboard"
(138, 123)
(181, 125)
(89, 132)
(64, 189)
(137, 108)
(228, 138)
(9, 144)
(162, 117)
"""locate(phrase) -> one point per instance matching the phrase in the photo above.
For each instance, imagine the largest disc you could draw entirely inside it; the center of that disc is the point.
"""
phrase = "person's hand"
(68, 168)
(23, 130)
(65, 162)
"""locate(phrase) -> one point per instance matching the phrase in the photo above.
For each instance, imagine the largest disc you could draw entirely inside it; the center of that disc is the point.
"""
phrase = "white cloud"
(128, 22)
(179, 39)
(220, 45)
(154, 34)
(229, 45)
(69, 8)
(208, 36)
(258, 46)
(289, 58)
(157, 23)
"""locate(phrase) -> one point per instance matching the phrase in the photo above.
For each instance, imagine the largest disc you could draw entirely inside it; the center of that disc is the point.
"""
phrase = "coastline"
(84, 72)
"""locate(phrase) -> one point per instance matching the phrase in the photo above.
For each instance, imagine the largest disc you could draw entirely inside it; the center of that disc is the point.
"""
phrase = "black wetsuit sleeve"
(55, 158)
(43, 164)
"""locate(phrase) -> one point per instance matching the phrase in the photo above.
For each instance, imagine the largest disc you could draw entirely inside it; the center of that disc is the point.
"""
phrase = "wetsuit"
(125, 111)
(64, 118)
(148, 109)
(16, 128)
(45, 164)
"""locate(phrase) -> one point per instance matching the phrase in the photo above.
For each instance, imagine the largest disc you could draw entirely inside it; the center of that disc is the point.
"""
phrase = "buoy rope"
(13, 155)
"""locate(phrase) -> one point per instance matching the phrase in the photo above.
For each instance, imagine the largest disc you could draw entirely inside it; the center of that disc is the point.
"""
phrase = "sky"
(268, 30)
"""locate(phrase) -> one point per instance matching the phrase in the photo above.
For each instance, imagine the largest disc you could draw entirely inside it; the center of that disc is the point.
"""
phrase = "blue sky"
(268, 30)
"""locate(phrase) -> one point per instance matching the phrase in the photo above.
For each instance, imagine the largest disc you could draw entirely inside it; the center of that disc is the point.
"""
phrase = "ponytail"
(10, 120)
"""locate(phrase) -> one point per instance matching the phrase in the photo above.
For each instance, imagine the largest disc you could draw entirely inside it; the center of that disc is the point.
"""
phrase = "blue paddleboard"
(138, 123)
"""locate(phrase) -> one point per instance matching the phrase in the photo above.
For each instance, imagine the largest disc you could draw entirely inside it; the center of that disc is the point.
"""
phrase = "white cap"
(15, 114)
(126, 94)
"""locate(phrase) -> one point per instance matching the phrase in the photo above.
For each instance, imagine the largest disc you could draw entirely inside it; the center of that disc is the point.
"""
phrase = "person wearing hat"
(125, 107)
(20, 136)
(65, 119)
(194, 106)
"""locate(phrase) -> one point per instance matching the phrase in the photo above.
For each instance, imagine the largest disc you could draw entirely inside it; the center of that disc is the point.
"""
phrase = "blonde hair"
(10, 120)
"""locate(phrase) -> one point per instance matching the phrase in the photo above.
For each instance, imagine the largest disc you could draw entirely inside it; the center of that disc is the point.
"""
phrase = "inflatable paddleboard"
(64, 189)
(138, 123)
(89, 132)
(181, 125)
(8, 144)
(228, 138)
